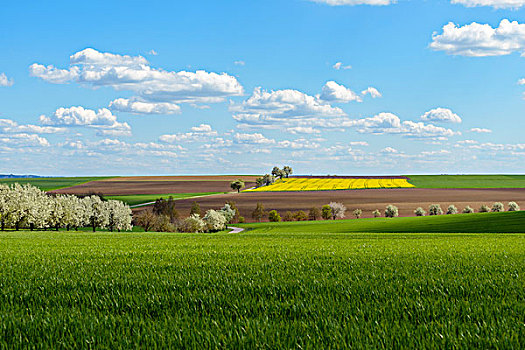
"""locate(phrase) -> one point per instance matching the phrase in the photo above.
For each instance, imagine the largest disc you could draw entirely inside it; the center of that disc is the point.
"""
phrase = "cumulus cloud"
(340, 65)
(92, 68)
(389, 150)
(373, 92)
(480, 130)
(141, 107)
(478, 40)
(388, 123)
(5, 81)
(441, 115)
(255, 138)
(334, 92)
(103, 120)
(203, 133)
(10, 126)
(355, 2)
(24, 140)
(302, 130)
(239, 63)
(498, 4)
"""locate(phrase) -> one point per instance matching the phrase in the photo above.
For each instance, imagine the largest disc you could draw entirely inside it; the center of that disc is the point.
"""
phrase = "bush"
(288, 216)
(326, 212)
(452, 209)
(300, 216)
(274, 216)
(468, 210)
(358, 213)
(241, 220)
(484, 209)
(215, 220)
(513, 206)
(497, 207)
(146, 219)
(376, 213)
(162, 223)
(420, 212)
(192, 224)
(314, 214)
(258, 213)
(391, 211)
(435, 209)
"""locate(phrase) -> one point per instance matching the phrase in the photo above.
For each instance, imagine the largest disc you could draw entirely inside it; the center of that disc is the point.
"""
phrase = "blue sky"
(326, 86)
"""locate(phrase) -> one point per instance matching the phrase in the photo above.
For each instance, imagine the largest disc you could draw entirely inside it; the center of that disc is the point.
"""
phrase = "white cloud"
(389, 150)
(202, 128)
(388, 123)
(239, 63)
(358, 143)
(298, 144)
(521, 81)
(24, 140)
(498, 4)
(340, 65)
(334, 92)
(153, 52)
(133, 73)
(480, 130)
(441, 115)
(373, 92)
(302, 130)
(201, 133)
(103, 120)
(355, 2)
(480, 40)
(5, 81)
(141, 107)
(10, 126)
(255, 138)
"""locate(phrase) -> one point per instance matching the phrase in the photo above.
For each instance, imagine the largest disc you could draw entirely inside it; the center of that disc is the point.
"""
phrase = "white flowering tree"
(119, 216)
(215, 220)
(338, 210)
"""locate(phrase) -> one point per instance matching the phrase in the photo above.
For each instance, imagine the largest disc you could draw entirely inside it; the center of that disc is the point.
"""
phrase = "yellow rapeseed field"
(329, 184)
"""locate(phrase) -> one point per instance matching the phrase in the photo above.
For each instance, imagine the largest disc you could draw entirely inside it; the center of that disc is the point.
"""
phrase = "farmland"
(52, 183)
(262, 289)
(147, 198)
(468, 181)
(331, 184)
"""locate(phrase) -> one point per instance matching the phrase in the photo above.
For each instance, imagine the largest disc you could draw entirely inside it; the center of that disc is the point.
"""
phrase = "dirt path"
(236, 229)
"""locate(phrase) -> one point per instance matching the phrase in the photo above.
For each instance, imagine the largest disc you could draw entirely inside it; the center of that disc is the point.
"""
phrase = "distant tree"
(195, 208)
(120, 216)
(420, 212)
(338, 210)
(193, 223)
(467, 210)
(99, 215)
(166, 207)
(288, 171)
(300, 216)
(237, 185)
(376, 213)
(513, 206)
(452, 209)
(228, 212)
(357, 213)
(484, 209)
(276, 171)
(258, 213)
(314, 213)
(233, 205)
(326, 212)
(391, 211)
(146, 219)
(163, 224)
(274, 216)
(497, 207)
(435, 209)
(288, 216)
(268, 179)
(259, 182)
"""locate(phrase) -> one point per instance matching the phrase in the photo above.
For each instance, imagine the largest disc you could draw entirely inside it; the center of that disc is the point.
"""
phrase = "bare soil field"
(407, 200)
(158, 185)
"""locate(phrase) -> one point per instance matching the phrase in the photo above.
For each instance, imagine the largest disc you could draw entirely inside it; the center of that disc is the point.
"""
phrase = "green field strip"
(506, 222)
(137, 199)
(54, 183)
(467, 181)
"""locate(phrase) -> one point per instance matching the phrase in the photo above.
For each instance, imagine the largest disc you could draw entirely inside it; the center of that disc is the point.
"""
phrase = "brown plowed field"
(407, 200)
(158, 185)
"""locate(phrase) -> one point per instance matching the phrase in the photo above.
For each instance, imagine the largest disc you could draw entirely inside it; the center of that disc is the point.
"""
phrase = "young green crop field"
(52, 183)
(137, 199)
(262, 289)
(505, 222)
(467, 181)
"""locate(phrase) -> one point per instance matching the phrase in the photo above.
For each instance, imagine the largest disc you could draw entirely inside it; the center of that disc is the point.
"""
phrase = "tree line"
(28, 207)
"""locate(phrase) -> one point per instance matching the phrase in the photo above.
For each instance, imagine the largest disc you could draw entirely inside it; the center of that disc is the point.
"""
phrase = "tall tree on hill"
(195, 208)
(276, 171)
(288, 170)
(237, 185)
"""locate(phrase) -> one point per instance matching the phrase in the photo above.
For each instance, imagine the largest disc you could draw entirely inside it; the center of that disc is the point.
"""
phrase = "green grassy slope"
(53, 183)
(467, 181)
(146, 198)
(468, 223)
(82, 290)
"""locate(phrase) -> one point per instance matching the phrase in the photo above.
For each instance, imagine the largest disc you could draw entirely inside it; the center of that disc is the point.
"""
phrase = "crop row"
(319, 184)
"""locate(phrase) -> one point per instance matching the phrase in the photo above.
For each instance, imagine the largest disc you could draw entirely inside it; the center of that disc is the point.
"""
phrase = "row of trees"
(277, 172)
(26, 206)
(435, 209)
(163, 217)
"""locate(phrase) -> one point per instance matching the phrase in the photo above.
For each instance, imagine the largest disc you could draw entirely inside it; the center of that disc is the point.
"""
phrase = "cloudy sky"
(235, 87)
